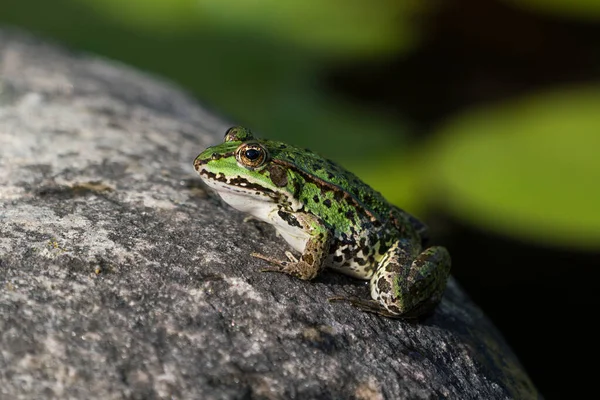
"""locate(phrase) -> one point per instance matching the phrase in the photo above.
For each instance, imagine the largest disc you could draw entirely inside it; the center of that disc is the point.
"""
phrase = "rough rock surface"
(122, 277)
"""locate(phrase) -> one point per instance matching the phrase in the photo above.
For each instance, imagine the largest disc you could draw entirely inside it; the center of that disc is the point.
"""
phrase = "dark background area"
(472, 53)
(541, 293)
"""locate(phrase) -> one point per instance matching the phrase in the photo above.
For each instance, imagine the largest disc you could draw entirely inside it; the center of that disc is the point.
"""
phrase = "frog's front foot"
(298, 268)
(280, 264)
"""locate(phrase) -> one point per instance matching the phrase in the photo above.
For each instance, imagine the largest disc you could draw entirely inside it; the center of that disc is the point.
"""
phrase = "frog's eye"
(251, 155)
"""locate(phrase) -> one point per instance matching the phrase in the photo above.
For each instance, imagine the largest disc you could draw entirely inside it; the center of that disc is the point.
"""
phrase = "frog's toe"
(295, 270)
(274, 269)
(280, 264)
(291, 257)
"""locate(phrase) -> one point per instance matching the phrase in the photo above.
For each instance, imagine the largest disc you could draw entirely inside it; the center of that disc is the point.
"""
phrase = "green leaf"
(529, 168)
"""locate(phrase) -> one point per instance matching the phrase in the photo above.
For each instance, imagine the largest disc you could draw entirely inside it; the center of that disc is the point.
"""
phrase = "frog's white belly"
(296, 237)
(264, 209)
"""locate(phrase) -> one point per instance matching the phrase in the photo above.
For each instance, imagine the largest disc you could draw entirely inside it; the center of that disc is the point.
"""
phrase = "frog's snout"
(198, 162)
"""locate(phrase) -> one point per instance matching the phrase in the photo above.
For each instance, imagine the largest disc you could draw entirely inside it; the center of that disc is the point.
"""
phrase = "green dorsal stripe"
(328, 185)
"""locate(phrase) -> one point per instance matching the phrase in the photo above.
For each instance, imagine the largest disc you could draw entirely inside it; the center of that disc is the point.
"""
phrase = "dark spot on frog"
(384, 286)
(355, 192)
(316, 198)
(278, 175)
(308, 258)
(372, 239)
(348, 253)
(221, 177)
(297, 187)
(244, 183)
(238, 181)
(209, 175)
(327, 203)
(360, 261)
(394, 309)
(330, 175)
(282, 146)
(338, 259)
(350, 214)
(289, 218)
(394, 267)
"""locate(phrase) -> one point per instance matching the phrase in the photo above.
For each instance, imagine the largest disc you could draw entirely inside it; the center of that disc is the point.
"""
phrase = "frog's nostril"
(214, 156)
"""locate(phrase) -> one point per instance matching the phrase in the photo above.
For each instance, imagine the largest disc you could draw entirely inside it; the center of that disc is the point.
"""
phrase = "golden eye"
(251, 155)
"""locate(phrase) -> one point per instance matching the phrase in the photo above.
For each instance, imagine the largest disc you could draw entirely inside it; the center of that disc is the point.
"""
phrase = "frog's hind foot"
(370, 306)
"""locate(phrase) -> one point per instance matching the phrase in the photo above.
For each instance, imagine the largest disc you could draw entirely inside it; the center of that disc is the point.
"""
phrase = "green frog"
(332, 219)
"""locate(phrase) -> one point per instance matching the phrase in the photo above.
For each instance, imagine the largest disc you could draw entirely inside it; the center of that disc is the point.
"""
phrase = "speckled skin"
(331, 217)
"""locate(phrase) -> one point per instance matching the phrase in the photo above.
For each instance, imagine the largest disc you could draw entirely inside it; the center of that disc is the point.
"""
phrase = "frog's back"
(329, 181)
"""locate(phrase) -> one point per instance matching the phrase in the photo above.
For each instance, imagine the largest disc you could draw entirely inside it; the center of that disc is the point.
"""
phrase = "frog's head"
(242, 171)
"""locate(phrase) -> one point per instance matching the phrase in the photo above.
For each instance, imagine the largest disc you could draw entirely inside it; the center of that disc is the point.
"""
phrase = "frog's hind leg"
(411, 288)
(407, 288)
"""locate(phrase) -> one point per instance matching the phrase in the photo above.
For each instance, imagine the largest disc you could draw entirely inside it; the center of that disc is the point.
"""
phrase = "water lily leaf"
(528, 168)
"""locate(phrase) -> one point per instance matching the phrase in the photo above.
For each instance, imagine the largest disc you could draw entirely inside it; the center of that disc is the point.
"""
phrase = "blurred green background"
(480, 116)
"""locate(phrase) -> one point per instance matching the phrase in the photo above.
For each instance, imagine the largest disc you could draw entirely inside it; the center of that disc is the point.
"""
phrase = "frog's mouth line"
(238, 184)
(239, 187)
(219, 181)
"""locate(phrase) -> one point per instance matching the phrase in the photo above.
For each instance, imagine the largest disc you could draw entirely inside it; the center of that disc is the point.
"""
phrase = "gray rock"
(122, 277)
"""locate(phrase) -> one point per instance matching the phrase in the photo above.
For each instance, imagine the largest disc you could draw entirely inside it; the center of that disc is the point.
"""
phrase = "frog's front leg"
(407, 288)
(315, 253)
